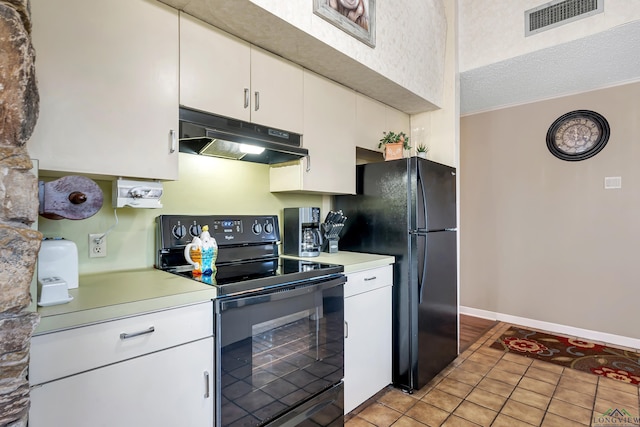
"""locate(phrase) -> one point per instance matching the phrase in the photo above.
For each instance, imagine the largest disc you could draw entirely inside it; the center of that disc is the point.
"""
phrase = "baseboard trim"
(601, 337)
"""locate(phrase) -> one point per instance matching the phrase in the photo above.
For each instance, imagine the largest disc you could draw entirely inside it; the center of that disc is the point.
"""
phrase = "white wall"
(492, 31)
(410, 40)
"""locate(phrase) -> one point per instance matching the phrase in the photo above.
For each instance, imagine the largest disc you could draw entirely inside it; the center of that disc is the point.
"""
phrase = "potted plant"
(394, 144)
(421, 151)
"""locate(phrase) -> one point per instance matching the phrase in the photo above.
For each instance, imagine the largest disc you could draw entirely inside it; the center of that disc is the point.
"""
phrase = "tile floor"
(488, 387)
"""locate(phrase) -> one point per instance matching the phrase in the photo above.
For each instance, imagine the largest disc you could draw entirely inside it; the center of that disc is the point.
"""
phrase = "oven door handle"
(278, 294)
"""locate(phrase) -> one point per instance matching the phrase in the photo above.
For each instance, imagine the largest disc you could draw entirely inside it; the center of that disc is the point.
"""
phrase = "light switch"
(612, 182)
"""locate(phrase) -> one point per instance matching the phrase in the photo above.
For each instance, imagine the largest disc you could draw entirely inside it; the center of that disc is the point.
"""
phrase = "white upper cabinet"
(214, 70)
(276, 92)
(329, 135)
(222, 74)
(108, 80)
(373, 118)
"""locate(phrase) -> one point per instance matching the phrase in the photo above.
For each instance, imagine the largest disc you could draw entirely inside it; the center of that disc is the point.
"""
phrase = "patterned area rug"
(621, 365)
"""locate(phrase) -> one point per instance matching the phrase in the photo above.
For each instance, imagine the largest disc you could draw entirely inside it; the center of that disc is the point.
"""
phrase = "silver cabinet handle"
(246, 97)
(257, 105)
(308, 162)
(173, 141)
(206, 384)
(366, 279)
(346, 329)
(125, 335)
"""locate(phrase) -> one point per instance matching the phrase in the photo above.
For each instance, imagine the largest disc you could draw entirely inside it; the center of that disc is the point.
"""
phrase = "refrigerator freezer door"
(377, 215)
(436, 194)
(437, 310)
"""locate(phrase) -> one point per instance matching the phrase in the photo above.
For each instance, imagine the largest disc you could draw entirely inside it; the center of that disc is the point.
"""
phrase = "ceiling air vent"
(556, 13)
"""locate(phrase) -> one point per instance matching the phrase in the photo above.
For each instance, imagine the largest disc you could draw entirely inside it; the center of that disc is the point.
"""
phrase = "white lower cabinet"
(154, 369)
(367, 344)
(173, 387)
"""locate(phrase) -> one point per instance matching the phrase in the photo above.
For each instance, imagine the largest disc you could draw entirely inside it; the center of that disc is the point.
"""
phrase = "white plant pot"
(421, 154)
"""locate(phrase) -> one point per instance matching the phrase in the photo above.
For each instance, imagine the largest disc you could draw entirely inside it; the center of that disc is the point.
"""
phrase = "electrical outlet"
(97, 246)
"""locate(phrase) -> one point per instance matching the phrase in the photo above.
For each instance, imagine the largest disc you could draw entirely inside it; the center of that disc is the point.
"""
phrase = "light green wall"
(206, 186)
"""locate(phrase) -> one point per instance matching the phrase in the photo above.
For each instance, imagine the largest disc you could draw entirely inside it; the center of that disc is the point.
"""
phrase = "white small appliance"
(57, 271)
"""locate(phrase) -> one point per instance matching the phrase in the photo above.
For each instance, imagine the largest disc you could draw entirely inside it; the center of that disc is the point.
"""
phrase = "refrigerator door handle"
(424, 198)
(423, 276)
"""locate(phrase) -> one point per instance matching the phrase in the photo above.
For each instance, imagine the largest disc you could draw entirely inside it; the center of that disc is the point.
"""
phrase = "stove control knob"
(195, 230)
(179, 231)
(256, 228)
(268, 228)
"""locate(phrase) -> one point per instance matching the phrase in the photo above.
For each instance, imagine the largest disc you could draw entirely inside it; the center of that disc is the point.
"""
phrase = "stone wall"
(19, 244)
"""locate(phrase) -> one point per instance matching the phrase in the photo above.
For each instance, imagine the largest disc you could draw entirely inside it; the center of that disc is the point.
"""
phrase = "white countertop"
(112, 295)
(352, 261)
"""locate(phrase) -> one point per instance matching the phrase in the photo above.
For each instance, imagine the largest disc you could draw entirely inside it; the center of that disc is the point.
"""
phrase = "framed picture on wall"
(355, 17)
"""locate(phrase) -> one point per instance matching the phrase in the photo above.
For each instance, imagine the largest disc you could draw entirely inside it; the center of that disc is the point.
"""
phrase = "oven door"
(281, 354)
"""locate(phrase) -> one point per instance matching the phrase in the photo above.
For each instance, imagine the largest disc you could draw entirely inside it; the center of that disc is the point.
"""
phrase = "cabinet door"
(373, 118)
(173, 387)
(214, 70)
(276, 91)
(329, 132)
(367, 346)
(108, 79)
(370, 122)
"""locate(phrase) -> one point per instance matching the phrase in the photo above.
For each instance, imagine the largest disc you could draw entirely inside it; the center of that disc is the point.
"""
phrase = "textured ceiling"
(608, 58)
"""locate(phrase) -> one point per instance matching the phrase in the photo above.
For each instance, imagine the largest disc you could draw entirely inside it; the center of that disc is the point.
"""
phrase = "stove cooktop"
(257, 276)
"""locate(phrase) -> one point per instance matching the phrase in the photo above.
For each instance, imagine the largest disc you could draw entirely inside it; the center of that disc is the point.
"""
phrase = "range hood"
(210, 135)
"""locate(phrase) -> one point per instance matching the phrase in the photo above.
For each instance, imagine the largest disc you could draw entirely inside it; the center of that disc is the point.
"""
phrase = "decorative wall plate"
(578, 135)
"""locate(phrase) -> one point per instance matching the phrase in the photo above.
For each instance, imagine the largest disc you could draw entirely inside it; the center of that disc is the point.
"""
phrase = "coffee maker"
(302, 236)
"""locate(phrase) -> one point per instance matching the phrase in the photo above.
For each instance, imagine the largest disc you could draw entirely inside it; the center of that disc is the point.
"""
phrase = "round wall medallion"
(578, 135)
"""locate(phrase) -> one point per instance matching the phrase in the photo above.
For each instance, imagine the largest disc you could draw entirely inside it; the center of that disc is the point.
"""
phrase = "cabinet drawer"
(68, 352)
(367, 280)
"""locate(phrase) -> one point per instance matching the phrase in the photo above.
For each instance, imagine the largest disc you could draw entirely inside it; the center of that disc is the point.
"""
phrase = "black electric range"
(248, 259)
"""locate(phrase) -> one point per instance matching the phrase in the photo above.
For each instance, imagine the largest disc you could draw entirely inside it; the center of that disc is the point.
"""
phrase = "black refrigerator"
(407, 208)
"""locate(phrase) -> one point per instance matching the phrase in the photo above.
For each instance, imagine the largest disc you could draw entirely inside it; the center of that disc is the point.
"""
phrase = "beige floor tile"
(504, 376)
(513, 367)
(516, 358)
(618, 385)
(547, 366)
(530, 398)
(542, 375)
(616, 396)
(577, 384)
(604, 406)
(454, 387)
(553, 420)
(523, 412)
(475, 413)
(454, 421)
(580, 375)
(537, 386)
(440, 399)
(398, 400)
(496, 387)
(380, 415)
(503, 420)
(358, 422)
(486, 399)
(475, 367)
(406, 421)
(572, 412)
(575, 398)
(466, 377)
(484, 358)
(491, 351)
(427, 414)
